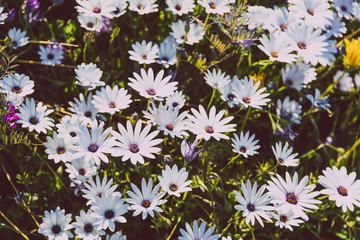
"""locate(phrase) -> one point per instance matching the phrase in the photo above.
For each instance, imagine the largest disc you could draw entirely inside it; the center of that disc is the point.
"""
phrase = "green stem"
(246, 118)
(331, 86)
(173, 230)
(212, 97)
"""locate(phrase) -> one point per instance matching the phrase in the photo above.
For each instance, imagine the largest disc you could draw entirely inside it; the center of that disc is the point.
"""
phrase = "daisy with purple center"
(98, 189)
(198, 232)
(283, 155)
(19, 84)
(286, 219)
(143, 6)
(96, 8)
(180, 7)
(245, 145)
(58, 149)
(144, 53)
(84, 109)
(174, 181)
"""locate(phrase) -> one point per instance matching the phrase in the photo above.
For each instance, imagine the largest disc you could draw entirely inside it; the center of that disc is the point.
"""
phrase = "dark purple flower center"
(93, 148)
(60, 150)
(99, 194)
(72, 134)
(311, 12)
(109, 214)
(174, 104)
(56, 229)
(144, 56)
(289, 82)
(251, 207)
(283, 218)
(82, 171)
(291, 198)
(302, 45)
(50, 56)
(281, 161)
(342, 191)
(17, 89)
(230, 96)
(246, 99)
(90, 25)
(151, 91)
(117, 11)
(134, 148)
(34, 120)
(88, 114)
(343, 8)
(14, 43)
(170, 127)
(212, 5)
(283, 27)
(88, 227)
(178, 7)
(209, 129)
(141, 6)
(112, 104)
(146, 203)
(173, 187)
(96, 10)
(243, 149)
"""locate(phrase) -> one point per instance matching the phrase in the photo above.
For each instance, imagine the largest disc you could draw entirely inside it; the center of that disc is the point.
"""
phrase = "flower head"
(216, 79)
(21, 85)
(286, 219)
(96, 8)
(283, 155)
(58, 149)
(174, 181)
(94, 190)
(18, 38)
(85, 226)
(56, 224)
(88, 75)
(317, 101)
(197, 232)
(51, 55)
(188, 150)
(144, 53)
(180, 7)
(245, 145)
(352, 56)
(143, 6)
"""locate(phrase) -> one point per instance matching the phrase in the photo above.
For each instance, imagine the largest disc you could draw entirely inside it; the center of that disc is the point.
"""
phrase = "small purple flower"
(11, 15)
(31, 6)
(106, 27)
(188, 150)
(288, 135)
(10, 116)
(172, 74)
(246, 42)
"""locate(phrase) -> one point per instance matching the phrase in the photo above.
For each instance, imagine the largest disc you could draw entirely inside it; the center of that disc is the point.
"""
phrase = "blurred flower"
(81, 170)
(290, 110)
(51, 55)
(205, 126)
(177, 99)
(10, 115)
(216, 79)
(18, 38)
(88, 75)
(253, 203)
(107, 210)
(90, 23)
(166, 52)
(145, 201)
(11, 15)
(150, 87)
(248, 94)
(281, 19)
(286, 219)
(105, 28)
(96, 8)
(85, 227)
(298, 75)
(13, 98)
(35, 117)
(287, 135)
(3, 16)
(76, 185)
(68, 127)
(245, 145)
(56, 224)
(258, 16)
(344, 8)
(174, 181)
(259, 77)
(336, 27)
(194, 35)
(246, 40)
(143, 6)
(215, 6)
(84, 109)
(293, 195)
(352, 56)
(180, 7)
(198, 232)
(111, 100)
(188, 150)
(58, 149)
(317, 101)
(30, 8)
(21, 85)
(283, 155)
(144, 53)
(135, 143)
(226, 92)
(356, 11)
(93, 191)
(120, 7)
(357, 81)
(341, 187)
(116, 236)
(343, 81)
(329, 140)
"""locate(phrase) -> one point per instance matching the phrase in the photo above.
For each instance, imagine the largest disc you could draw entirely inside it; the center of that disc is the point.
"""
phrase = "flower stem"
(246, 118)
(331, 86)
(212, 97)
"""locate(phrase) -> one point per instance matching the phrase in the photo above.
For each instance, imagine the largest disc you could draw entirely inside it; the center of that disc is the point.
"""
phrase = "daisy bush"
(179, 119)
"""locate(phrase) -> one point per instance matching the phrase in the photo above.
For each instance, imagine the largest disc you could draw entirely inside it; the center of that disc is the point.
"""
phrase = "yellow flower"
(352, 56)
(259, 77)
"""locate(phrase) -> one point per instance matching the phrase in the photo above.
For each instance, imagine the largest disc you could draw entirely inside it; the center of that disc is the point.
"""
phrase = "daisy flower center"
(243, 149)
(173, 187)
(14, 43)
(343, 8)
(96, 10)
(56, 229)
(60, 150)
(291, 198)
(281, 161)
(170, 127)
(151, 91)
(283, 218)
(165, 59)
(289, 82)
(230, 96)
(311, 12)
(141, 6)
(88, 114)
(90, 25)
(34, 120)
(246, 99)
(144, 56)
(82, 171)
(134, 148)
(183, 37)
(212, 5)
(302, 45)
(109, 214)
(146, 203)
(93, 148)
(342, 191)
(251, 207)
(283, 27)
(72, 134)
(16, 89)
(117, 10)
(275, 54)
(50, 56)
(112, 104)
(178, 7)
(209, 129)
(99, 194)
(174, 104)
(88, 228)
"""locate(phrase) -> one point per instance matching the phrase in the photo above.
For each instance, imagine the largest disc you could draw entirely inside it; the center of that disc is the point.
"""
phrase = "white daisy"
(284, 155)
(344, 8)
(120, 7)
(90, 23)
(93, 146)
(258, 16)
(180, 7)
(344, 81)
(248, 94)
(51, 55)
(88, 75)
(317, 101)
(177, 99)
(68, 127)
(286, 219)
(253, 203)
(298, 75)
(111, 100)
(195, 34)
(173, 181)
(167, 50)
(144, 53)
(143, 6)
(226, 92)
(245, 145)
(96, 8)
(278, 47)
(216, 79)
(85, 227)
(133, 144)
(290, 110)
(327, 57)
(198, 232)
(18, 84)
(81, 170)
(18, 38)
(93, 191)
(13, 98)
(3, 16)
(215, 6)
(150, 87)
(35, 117)
(116, 236)
(107, 210)
(281, 19)
(58, 149)
(293, 195)
(342, 187)
(145, 201)
(336, 27)
(205, 126)
(356, 11)
(84, 109)
(56, 225)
